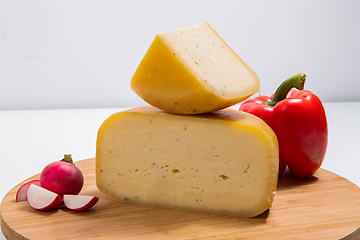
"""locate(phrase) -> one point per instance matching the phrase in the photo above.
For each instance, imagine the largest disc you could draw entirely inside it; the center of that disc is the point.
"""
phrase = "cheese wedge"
(191, 71)
(225, 162)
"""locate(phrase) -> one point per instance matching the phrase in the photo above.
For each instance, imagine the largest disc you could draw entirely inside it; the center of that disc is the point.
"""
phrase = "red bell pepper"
(298, 119)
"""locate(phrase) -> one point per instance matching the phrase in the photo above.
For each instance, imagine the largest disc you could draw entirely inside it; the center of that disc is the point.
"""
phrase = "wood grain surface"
(325, 206)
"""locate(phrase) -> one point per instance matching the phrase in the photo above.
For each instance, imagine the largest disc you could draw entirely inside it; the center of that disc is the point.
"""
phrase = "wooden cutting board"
(325, 206)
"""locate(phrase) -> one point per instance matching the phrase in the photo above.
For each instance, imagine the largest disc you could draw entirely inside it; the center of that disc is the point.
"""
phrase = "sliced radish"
(21, 192)
(79, 202)
(42, 199)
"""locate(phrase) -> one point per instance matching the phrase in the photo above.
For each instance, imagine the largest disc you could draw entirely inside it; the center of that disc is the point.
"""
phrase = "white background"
(82, 54)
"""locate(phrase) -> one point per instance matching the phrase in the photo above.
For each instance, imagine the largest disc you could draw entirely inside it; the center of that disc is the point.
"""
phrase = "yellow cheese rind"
(225, 162)
(191, 71)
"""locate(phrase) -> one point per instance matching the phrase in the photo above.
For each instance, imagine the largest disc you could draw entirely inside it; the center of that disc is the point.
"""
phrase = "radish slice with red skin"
(21, 192)
(42, 199)
(79, 202)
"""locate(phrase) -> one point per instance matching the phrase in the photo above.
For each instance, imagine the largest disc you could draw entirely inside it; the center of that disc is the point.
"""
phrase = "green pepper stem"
(67, 158)
(297, 81)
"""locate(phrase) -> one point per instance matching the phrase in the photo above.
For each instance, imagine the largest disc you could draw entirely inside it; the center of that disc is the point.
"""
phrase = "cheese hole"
(175, 171)
(224, 177)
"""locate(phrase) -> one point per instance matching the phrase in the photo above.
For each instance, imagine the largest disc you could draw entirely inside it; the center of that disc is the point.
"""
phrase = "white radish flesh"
(79, 202)
(42, 199)
(21, 193)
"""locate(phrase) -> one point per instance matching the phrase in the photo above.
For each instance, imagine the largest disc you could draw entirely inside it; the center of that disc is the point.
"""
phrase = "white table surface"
(33, 138)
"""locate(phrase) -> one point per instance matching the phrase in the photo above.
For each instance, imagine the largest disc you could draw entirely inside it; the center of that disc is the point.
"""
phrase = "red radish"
(42, 199)
(21, 192)
(62, 177)
(79, 202)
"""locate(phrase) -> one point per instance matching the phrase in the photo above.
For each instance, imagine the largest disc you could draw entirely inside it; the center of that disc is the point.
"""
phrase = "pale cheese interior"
(225, 162)
(212, 61)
